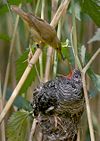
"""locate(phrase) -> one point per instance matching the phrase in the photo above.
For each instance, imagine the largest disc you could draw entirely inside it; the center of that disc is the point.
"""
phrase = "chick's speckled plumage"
(64, 98)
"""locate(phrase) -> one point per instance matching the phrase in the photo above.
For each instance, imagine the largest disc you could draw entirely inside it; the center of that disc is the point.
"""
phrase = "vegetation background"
(79, 32)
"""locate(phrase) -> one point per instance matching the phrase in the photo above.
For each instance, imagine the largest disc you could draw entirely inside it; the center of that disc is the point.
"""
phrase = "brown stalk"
(33, 129)
(2, 126)
(86, 95)
(9, 58)
(59, 13)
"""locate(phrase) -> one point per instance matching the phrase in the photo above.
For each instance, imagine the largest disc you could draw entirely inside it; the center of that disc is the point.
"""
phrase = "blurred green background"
(84, 16)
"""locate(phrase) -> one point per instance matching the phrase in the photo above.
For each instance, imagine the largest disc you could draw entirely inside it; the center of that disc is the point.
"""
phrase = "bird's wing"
(46, 32)
(46, 99)
(70, 96)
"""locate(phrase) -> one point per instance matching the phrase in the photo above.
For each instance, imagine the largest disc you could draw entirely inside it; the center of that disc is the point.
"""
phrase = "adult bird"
(41, 31)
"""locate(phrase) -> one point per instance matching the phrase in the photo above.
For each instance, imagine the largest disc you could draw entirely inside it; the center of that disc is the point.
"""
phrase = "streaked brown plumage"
(63, 99)
(41, 31)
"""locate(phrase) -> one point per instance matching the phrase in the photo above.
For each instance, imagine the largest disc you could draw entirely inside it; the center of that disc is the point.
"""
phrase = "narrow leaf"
(96, 37)
(92, 8)
(77, 10)
(68, 52)
(95, 78)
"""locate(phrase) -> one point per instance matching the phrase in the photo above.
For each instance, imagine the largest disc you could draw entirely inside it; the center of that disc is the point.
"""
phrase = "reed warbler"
(41, 31)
